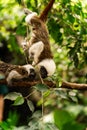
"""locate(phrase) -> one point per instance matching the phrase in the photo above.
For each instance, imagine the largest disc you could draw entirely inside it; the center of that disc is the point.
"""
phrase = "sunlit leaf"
(19, 101)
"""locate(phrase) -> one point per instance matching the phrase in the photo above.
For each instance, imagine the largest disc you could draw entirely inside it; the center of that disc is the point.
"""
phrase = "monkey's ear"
(35, 21)
(43, 15)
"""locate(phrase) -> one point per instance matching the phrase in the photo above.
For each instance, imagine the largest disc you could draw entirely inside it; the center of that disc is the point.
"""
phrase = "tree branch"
(70, 85)
(27, 83)
(20, 83)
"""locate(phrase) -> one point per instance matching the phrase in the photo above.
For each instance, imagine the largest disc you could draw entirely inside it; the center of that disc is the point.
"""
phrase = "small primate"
(25, 72)
(46, 67)
(39, 49)
(39, 30)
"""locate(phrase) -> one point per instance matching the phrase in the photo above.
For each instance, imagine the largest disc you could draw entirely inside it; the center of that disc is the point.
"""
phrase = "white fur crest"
(29, 17)
(36, 50)
(49, 65)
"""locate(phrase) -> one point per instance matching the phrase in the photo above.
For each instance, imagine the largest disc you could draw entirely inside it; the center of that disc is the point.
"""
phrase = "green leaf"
(12, 44)
(12, 96)
(19, 101)
(61, 93)
(73, 126)
(30, 105)
(55, 33)
(66, 1)
(50, 126)
(41, 87)
(61, 117)
(1, 7)
(74, 99)
(74, 109)
(13, 118)
(47, 93)
(37, 114)
(4, 125)
(64, 121)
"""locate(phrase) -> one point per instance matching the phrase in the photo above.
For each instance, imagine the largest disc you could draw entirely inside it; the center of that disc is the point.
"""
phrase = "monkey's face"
(31, 72)
(38, 26)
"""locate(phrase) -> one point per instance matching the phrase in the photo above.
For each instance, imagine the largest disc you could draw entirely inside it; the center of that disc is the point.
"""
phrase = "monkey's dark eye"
(33, 28)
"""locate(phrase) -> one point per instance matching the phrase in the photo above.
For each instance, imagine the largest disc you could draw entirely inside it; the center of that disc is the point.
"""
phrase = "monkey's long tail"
(43, 15)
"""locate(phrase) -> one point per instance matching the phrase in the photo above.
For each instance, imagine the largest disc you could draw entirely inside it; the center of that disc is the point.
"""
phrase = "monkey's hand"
(25, 45)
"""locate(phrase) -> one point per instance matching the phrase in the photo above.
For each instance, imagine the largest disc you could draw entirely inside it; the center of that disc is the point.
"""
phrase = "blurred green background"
(67, 25)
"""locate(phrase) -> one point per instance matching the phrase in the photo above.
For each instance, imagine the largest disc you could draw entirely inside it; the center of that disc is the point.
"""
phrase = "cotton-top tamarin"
(25, 72)
(39, 45)
(46, 67)
(39, 31)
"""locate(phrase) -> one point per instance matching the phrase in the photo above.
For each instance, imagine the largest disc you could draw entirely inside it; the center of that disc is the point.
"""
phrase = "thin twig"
(42, 108)
(42, 104)
(30, 94)
(41, 78)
